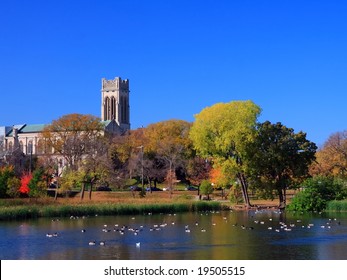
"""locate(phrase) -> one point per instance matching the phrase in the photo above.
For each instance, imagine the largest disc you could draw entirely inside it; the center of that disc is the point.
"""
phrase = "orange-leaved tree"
(170, 141)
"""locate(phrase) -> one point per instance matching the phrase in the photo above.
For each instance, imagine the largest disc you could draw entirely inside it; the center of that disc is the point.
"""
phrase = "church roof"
(30, 128)
(37, 128)
(106, 123)
(27, 128)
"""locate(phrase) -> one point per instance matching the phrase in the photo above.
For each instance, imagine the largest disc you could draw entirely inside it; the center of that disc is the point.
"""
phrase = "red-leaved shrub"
(25, 180)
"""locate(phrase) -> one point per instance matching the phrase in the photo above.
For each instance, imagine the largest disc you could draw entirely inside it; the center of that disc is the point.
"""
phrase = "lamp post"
(31, 156)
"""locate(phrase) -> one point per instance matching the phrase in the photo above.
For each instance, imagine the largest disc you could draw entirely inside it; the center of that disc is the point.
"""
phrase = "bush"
(317, 192)
(13, 185)
(24, 187)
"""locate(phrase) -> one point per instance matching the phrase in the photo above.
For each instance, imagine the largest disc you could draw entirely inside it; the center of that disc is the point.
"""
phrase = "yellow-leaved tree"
(221, 132)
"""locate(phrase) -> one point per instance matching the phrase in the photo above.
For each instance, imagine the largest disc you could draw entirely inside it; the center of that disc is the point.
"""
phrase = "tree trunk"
(170, 179)
(56, 191)
(90, 190)
(282, 198)
(150, 184)
(82, 191)
(244, 188)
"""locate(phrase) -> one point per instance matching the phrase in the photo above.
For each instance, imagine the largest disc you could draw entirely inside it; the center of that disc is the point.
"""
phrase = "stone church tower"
(115, 102)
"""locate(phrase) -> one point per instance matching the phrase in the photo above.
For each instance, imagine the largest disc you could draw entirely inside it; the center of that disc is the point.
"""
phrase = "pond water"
(252, 235)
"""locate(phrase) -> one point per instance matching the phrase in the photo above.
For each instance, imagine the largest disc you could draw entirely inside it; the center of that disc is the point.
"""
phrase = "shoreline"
(25, 212)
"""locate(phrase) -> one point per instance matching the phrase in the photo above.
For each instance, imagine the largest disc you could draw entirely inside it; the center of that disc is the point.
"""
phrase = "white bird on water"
(138, 244)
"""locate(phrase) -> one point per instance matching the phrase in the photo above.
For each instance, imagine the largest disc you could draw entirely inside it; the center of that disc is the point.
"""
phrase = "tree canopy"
(222, 132)
(278, 158)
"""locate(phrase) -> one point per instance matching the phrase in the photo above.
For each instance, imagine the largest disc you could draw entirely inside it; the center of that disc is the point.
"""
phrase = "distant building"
(115, 116)
(115, 102)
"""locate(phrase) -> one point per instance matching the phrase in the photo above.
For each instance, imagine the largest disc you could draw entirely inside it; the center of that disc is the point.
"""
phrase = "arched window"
(122, 109)
(113, 108)
(106, 108)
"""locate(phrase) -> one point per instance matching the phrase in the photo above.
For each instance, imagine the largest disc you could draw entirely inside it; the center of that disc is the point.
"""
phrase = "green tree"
(206, 188)
(6, 173)
(279, 158)
(222, 132)
(37, 185)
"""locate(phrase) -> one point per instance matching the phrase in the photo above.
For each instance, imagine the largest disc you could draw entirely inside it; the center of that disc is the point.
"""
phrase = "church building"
(115, 116)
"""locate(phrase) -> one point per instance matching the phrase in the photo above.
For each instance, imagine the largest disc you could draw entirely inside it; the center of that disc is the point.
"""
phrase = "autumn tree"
(198, 169)
(170, 141)
(72, 137)
(332, 157)
(222, 132)
(278, 158)
(124, 153)
(220, 181)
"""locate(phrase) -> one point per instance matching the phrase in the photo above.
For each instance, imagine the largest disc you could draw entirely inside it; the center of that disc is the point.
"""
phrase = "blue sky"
(288, 56)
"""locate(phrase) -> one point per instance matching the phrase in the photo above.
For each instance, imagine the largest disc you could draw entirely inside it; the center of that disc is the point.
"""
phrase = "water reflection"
(252, 235)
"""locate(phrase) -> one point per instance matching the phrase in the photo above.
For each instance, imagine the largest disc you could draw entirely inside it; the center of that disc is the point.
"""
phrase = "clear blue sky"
(288, 56)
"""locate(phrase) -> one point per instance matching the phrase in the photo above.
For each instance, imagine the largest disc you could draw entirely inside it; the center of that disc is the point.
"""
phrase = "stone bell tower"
(115, 102)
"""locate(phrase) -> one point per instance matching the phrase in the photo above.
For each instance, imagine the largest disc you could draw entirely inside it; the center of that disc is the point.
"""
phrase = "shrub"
(317, 192)
(13, 185)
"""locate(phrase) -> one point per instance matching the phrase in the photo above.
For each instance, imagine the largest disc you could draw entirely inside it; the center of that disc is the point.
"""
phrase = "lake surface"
(252, 235)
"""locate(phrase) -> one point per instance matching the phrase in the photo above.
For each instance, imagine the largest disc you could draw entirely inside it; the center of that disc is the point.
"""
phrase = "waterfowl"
(91, 243)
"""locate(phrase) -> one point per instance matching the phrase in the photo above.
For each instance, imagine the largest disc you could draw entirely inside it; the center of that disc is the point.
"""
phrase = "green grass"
(35, 211)
(337, 205)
